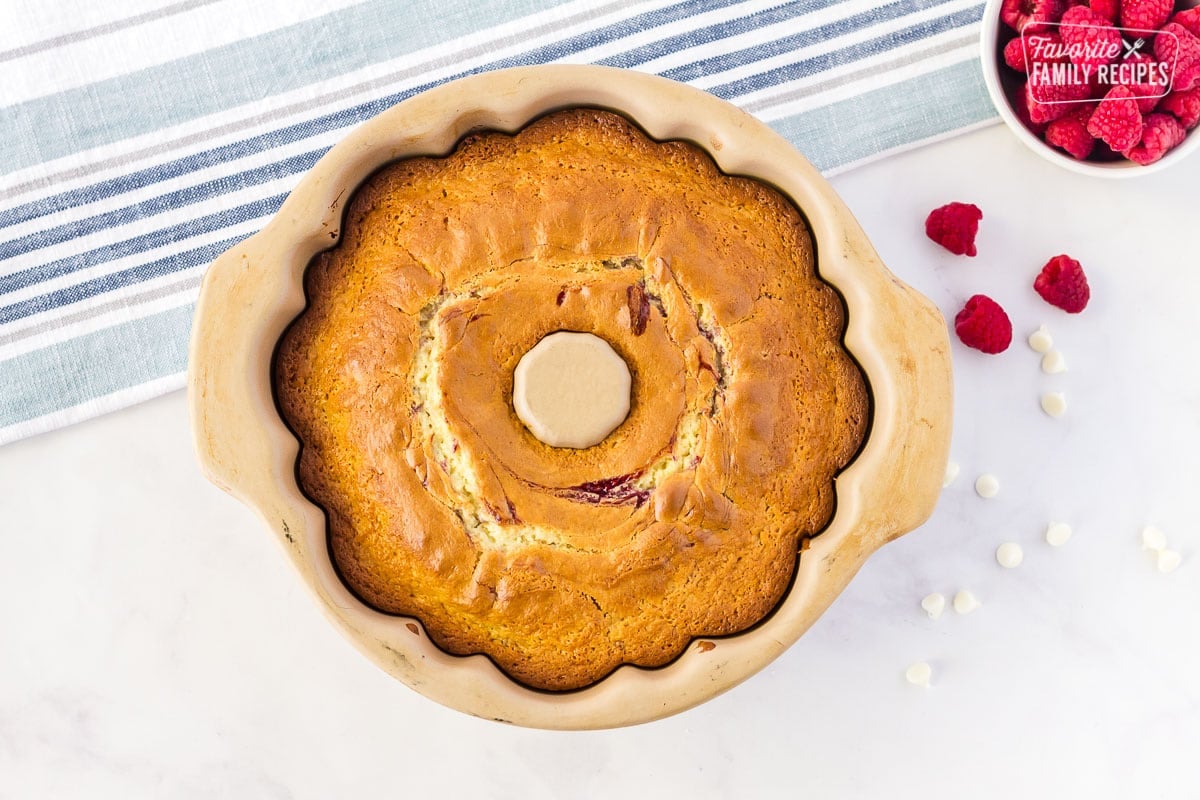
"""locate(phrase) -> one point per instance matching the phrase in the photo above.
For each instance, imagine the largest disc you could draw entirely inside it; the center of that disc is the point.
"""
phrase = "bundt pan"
(254, 291)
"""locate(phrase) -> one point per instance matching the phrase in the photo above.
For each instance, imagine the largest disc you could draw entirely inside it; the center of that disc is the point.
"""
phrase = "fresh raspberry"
(1021, 106)
(1184, 105)
(1019, 56)
(982, 324)
(954, 226)
(1147, 94)
(1161, 133)
(1031, 14)
(1071, 134)
(1109, 9)
(1014, 54)
(1146, 15)
(1090, 38)
(1189, 19)
(1117, 120)
(1179, 47)
(1062, 284)
(1049, 101)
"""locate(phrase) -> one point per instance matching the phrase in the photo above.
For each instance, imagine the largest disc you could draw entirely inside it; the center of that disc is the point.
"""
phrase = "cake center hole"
(571, 389)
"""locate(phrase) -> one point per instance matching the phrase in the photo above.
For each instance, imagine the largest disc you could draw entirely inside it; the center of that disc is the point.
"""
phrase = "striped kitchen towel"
(142, 138)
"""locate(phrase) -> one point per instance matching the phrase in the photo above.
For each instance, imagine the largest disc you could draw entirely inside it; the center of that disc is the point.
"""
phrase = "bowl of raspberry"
(1101, 87)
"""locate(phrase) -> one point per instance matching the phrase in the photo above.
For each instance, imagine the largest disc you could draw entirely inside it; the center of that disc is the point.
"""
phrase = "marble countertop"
(156, 643)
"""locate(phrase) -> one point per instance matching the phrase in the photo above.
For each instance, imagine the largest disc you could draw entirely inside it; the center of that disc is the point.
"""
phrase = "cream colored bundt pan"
(253, 291)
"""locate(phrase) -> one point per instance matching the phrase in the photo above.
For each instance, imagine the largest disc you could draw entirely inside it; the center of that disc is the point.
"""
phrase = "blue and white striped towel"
(141, 139)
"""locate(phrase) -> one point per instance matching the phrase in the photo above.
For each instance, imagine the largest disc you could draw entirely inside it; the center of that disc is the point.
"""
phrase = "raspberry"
(982, 324)
(1117, 120)
(1014, 54)
(1180, 48)
(1109, 9)
(954, 226)
(1161, 133)
(1031, 14)
(1189, 19)
(1184, 105)
(1021, 107)
(1062, 284)
(1147, 15)
(1090, 38)
(1148, 94)
(1018, 56)
(1049, 101)
(1071, 134)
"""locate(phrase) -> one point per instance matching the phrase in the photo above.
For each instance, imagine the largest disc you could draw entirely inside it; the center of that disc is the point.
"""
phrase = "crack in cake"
(562, 564)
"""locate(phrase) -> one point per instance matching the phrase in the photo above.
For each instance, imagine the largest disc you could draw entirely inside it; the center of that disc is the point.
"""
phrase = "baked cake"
(559, 563)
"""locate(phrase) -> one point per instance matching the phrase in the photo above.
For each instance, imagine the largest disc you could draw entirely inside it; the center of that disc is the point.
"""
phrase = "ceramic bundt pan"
(252, 292)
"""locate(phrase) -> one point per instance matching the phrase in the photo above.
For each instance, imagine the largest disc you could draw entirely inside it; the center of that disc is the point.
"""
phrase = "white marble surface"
(156, 644)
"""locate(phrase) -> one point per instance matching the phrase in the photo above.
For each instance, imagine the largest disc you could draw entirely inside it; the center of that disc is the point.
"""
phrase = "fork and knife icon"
(1132, 49)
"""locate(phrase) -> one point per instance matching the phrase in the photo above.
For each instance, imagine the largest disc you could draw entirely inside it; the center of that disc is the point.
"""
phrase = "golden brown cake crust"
(562, 564)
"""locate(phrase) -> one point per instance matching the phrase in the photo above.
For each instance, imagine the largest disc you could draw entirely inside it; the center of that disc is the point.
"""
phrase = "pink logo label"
(1080, 63)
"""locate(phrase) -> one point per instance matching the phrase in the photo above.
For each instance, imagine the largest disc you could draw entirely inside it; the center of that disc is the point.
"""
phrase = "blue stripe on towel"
(139, 244)
(840, 133)
(714, 33)
(866, 19)
(847, 55)
(157, 205)
(117, 280)
(93, 365)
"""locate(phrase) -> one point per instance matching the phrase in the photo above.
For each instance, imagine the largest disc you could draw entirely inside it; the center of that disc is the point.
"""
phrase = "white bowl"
(1001, 82)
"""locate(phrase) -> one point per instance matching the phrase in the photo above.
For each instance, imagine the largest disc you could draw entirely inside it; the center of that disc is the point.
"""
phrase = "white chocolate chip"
(919, 674)
(1054, 404)
(1010, 555)
(987, 485)
(1040, 340)
(951, 474)
(934, 604)
(1053, 363)
(1057, 533)
(1153, 538)
(965, 602)
(1168, 560)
